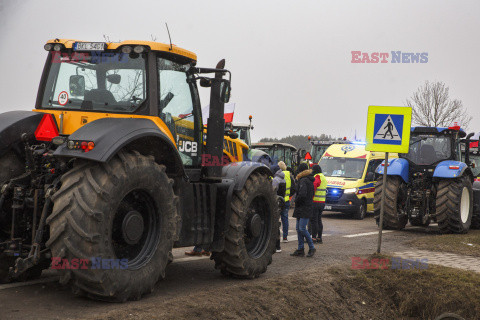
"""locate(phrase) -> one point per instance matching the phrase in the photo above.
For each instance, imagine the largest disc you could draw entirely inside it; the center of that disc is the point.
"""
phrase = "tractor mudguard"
(110, 135)
(15, 123)
(448, 169)
(240, 171)
(396, 167)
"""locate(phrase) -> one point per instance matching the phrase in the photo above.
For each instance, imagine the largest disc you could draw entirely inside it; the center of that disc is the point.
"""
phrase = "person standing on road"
(320, 187)
(304, 209)
(289, 192)
(279, 186)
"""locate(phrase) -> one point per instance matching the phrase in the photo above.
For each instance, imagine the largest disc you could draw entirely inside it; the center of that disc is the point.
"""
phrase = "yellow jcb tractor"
(109, 172)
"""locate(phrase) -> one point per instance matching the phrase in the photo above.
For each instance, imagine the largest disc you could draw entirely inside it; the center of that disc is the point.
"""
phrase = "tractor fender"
(15, 123)
(110, 135)
(396, 167)
(443, 169)
(240, 171)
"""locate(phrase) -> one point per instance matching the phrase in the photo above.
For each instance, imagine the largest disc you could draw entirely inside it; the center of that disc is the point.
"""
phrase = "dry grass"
(465, 244)
(422, 294)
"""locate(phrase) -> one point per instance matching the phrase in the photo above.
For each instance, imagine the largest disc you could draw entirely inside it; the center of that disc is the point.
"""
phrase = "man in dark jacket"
(304, 209)
(279, 186)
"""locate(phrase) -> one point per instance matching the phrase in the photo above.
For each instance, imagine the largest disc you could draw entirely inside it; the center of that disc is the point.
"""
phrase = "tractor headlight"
(71, 144)
(48, 46)
(351, 190)
(57, 47)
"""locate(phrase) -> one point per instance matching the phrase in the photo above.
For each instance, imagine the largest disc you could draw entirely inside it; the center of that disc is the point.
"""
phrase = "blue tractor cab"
(432, 182)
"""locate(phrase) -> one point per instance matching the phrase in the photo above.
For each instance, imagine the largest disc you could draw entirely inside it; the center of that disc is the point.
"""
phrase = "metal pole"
(382, 205)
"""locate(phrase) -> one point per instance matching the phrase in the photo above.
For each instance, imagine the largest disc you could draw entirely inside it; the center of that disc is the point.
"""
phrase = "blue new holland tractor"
(432, 182)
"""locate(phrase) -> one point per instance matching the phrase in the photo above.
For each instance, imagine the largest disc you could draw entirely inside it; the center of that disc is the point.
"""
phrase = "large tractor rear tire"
(123, 210)
(476, 206)
(253, 230)
(393, 217)
(10, 167)
(454, 205)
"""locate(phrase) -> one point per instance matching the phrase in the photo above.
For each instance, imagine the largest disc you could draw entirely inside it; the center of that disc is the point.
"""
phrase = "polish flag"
(474, 144)
(228, 112)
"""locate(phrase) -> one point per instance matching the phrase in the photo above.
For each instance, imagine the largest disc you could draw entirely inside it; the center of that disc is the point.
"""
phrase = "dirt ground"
(322, 287)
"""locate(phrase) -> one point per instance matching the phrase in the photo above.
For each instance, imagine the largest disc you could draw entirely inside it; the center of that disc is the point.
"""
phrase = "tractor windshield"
(112, 82)
(429, 149)
(343, 167)
(317, 152)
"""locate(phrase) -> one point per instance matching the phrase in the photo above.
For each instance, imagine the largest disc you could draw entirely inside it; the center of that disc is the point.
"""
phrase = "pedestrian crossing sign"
(388, 129)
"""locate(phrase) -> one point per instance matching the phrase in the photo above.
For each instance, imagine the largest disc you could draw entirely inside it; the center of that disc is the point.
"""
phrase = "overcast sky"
(290, 60)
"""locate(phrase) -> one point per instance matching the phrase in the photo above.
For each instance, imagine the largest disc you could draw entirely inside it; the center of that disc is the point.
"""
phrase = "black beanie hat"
(302, 167)
(316, 169)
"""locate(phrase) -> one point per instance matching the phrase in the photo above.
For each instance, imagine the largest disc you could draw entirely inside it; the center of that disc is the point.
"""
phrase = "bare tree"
(432, 107)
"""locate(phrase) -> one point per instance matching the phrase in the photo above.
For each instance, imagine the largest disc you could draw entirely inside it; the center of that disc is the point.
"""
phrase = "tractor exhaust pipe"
(215, 127)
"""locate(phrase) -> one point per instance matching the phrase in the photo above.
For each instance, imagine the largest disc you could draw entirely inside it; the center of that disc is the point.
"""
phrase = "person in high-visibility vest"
(290, 191)
(319, 197)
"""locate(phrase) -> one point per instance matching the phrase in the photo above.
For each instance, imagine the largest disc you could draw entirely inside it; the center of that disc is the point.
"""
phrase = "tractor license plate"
(328, 207)
(89, 46)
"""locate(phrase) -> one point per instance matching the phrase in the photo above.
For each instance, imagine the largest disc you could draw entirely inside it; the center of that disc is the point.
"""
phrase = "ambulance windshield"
(343, 167)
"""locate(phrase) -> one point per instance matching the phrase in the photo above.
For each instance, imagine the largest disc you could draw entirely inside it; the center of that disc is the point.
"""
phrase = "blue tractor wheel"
(454, 205)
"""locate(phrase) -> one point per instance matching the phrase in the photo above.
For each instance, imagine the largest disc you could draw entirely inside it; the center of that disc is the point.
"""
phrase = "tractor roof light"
(57, 47)
(139, 49)
(48, 47)
(126, 49)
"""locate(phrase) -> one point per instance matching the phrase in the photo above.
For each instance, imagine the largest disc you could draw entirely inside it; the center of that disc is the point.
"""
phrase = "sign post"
(388, 130)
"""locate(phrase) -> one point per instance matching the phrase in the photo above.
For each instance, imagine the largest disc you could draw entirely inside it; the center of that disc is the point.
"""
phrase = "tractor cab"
(429, 146)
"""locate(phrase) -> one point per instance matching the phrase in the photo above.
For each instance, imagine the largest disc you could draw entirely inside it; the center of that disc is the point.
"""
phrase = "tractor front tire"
(454, 205)
(393, 217)
(121, 216)
(253, 230)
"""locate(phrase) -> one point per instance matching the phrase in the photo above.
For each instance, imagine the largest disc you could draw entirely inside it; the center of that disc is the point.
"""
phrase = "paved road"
(344, 238)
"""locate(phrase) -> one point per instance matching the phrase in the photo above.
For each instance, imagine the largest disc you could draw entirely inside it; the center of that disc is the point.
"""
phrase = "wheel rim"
(465, 205)
(257, 227)
(136, 229)
(362, 210)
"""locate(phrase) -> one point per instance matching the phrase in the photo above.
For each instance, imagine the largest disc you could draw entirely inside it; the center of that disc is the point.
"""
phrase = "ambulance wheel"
(361, 211)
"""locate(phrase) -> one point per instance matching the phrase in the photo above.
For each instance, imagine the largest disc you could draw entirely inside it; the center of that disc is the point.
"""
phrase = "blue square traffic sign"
(388, 129)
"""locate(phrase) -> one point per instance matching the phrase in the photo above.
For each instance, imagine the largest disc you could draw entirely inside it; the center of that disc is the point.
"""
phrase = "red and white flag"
(228, 113)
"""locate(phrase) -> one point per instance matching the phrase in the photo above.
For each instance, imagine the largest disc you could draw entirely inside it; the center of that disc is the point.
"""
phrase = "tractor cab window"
(176, 109)
(108, 82)
(429, 149)
(317, 153)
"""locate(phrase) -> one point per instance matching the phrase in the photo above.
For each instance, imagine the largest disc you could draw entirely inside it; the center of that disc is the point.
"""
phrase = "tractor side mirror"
(231, 134)
(114, 78)
(205, 83)
(77, 85)
(370, 177)
(225, 91)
